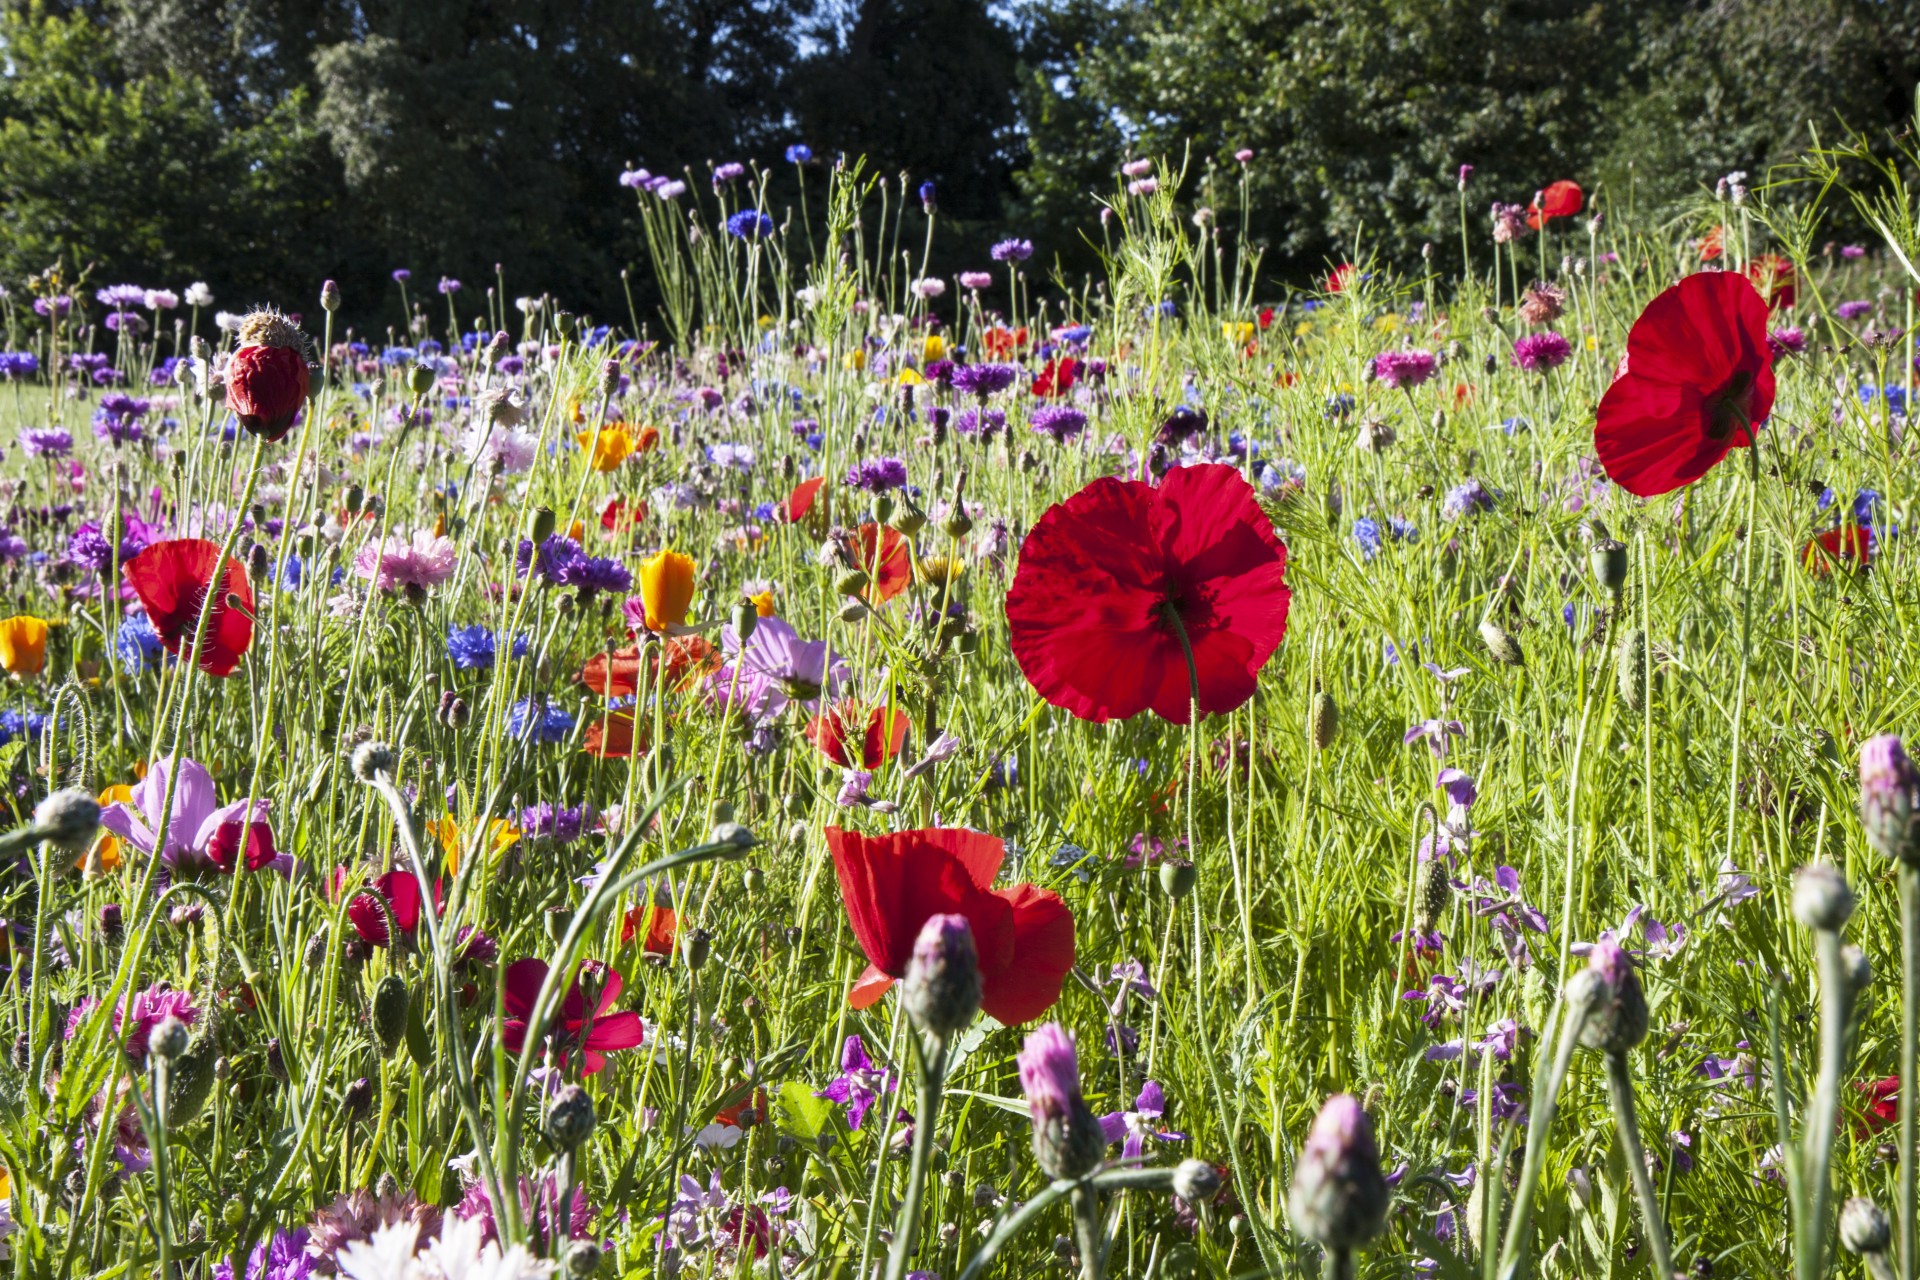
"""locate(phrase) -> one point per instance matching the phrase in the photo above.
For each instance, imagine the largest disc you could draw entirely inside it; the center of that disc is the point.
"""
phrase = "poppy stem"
(1909, 879)
(931, 1052)
(1627, 1122)
(1823, 1108)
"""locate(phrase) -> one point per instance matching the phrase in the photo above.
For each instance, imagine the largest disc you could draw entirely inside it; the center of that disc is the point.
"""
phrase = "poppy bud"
(370, 759)
(1323, 720)
(191, 1078)
(1067, 1139)
(1630, 668)
(942, 986)
(329, 297)
(420, 379)
(1858, 969)
(733, 833)
(357, 1100)
(1501, 644)
(68, 819)
(356, 498)
(390, 1001)
(1863, 1227)
(695, 948)
(1196, 1181)
(267, 377)
(1339, 1197)
(570, 1118)
(1432, 893)
(852, 582)
(1177, 877)
(853, 611)
(1821, 898)
(1608, 557)
(168, 1039)
(1890, 800)
(1619, 1020)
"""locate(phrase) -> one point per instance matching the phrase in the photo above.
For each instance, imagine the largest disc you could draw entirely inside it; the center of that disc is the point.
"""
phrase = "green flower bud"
(390, 1001)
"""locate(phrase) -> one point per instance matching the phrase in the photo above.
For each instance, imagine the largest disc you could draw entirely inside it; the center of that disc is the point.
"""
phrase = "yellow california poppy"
(908, 378)
(934, 348)
(762, 602)
(666, 587)
(502, 834)
(23, 645)
(612, 446)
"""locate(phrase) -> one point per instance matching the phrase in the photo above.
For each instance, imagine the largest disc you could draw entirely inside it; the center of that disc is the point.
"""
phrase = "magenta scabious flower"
(1403, 370)
(539, 1207)
(976, 279)
(1540, 352)
(1012, 251)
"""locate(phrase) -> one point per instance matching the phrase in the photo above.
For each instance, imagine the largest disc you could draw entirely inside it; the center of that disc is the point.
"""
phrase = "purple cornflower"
(1540, 352)
(18, 364)
(878, 475)
(1853, 310)
(859, 1085)
(1403, 369)
(984, 380)
(46, 442)
(284, 1257)
(121, 296)
(985, 423)
(1133, 1128)
(1466, 498)
(1012, 251)
(732, 171)
(1059, 421)
(449, 286)
(401, 275)
(749, 224)
(558, 826)
(1790, 341)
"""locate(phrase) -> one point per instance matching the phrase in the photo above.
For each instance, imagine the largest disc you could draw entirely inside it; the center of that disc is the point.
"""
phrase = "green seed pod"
(420, 379)
(1323, 720)
(390, 1001)
(233, 1213)
(1630, 668)
(853, 610)
(570, 1118)
(356, 498)
(696, 947)
(745, 618)
(1502, 645)
(852, 582)
(1177, 877)
(908, 518)
(883, 508)
(959, 524)
(1608, 557)
(544, 523)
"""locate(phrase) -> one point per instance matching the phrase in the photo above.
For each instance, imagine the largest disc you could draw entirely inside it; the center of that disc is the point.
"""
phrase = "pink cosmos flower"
(203, 834)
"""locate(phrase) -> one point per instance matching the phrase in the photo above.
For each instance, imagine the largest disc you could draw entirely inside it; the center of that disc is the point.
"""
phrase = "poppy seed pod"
(68, 819)
(1864, 1228)
(1630, 668)
(1177, 877)
(1821, 898)
(1067, 1138)
(942, 987)
(1608, 557)
(544, 523)
(1619, 1020)
(1323, 720)
(420, 379)
(570, 1117)
(1890, 800)
(1339, 1196)
(389, 1012)
(746, 616)
(695, 948)
(1501, 644)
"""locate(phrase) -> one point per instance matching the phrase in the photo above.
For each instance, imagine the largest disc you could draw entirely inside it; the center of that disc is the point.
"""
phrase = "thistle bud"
(458, 714)
(1619, 1019)
(942, 987)
(113, 922)
(1608, 558)
(168, 1039)
(390, 1001)
(907, 517)
(1863, 1227)
(1630, 669)
(68, 820)
(570, 1118)
(1821, 898)
(1890, 800)
(329, 297)
(1502, 645)
(1067, 1139)
(1339, 1197)
(1323, 720)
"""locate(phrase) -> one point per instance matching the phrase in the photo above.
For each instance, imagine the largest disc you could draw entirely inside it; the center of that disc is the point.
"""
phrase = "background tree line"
(263, 144)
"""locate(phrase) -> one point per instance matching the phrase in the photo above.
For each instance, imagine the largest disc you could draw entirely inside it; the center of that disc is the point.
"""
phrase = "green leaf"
(419, 1043)
(802, 1115)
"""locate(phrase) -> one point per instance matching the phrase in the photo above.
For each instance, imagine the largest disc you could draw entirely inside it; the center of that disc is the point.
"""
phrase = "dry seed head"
(266, 327)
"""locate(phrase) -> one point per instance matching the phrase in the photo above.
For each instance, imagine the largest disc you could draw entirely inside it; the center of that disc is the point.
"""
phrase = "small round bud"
(570, 1117)
(1619, 1019)
(68, 820)
(853, 610)
(357, 1099)
(1339, 1197)
(371, 759)
(851, 583)
(329, 296)
(386, 1186)
(233, 1213)
(1863, 1227)
(1177, 877)
(1608, 557)
(544, 523)
(732, 833)
(1859, 969)
(1890, 799)
(356, 499)
(583, 1258)
(168, 1039)
(1196, 1181)
(942, 986)
(420, 379)
(1821, 898)
(458, 714)
(695, 947)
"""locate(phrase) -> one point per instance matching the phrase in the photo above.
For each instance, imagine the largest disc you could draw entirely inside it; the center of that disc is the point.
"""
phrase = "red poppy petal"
(886, 734)
(1043, 955)
(523, 979)
(616, 1031)
(890, 885)
(868, 988)
(978, 852)
(171, 580)
(800, 501)
(368, 920)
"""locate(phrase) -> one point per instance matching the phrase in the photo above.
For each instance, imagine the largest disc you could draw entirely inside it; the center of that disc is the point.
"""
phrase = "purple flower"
(985, 423)
(775, 667)
(560, 826)
(1059, 421)
(121, 296)
(1012, 251)
(976, 279)
(1458, 786)
(449, 286)
(1790, 341)
(1133, 1128)
(284, 1257)
(1403, 369)
(1540, 352)
(859, 1085)
(878, 475)
(1466, 498)
(1853, 310)
(984, 380)
(1437, 733)
(401, 275)
(46, 442)
(732, 171)
(134, 1023)
(197, 817)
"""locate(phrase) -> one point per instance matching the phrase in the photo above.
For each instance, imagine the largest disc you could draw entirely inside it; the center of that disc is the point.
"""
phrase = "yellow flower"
(1302, 329)
(908, 378)
(1387, 323)
(23, 645)
(104, 857)
(1237, 332)
(578, 532)
(666, 587)
(612, 446)
(502, 834)
(1593, 344)
(763, 602)
(856, 359)
(934, 348)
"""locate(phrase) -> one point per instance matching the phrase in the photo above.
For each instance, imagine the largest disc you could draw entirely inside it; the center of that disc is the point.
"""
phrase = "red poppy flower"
(402, 893)
(611, 737)
(603, 1033)
(800, 501)
(1057, 378)
(882, 552)
(1265, 319)
(1561, 199)
(237, 843)
(1103, 574)
(1696, 381)
(617, 674)
(660, 922)
(1883, 1104)
(1773, 276)
(1340, 277)
(1002, 341)
(1713, 244)
(893, 884)
(171, 580)
(265, 388)
(833, 732)
(622, 516)
(1850, 546)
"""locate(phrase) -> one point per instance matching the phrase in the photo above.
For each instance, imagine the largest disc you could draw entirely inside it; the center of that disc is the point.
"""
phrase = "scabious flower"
(1540, 352)
(394, 564)
(1403, 370)
(1012, 251)
(878, 475)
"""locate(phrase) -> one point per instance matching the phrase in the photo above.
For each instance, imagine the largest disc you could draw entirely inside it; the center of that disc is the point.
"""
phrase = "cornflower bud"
(1890, 800)
(942, 987)
(1821, 898)
(329, 296)
(1067, 1139)
(1619, 1020)
(570, 1118)
(357, 1100)
(370, 759)
(1339, 1197)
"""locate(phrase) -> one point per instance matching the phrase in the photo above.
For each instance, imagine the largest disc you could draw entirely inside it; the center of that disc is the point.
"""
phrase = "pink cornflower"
(1539, 352)
(1404, 369)
(392, 564)
(133, 1025)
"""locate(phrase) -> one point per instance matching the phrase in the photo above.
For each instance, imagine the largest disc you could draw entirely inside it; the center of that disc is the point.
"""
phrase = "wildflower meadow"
(837, 771)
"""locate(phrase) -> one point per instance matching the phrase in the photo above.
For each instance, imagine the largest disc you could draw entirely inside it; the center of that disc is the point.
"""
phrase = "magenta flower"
(1133, 1128)
(859, 1085)
(132, 1024)
(1540, 352)
(1404, 370)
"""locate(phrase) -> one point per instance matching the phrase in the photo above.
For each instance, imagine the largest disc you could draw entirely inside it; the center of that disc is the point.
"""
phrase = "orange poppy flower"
(611, 737)
(882, 552)
(1849, 547)
(880, 738)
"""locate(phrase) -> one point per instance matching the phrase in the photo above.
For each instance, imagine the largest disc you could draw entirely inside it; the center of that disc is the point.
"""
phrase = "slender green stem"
(906, 1227)
(1909, 881)
(1626, 1121)
(1823, 1110)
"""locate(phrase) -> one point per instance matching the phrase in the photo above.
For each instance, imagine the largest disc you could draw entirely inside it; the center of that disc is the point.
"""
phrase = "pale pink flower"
(392, 564)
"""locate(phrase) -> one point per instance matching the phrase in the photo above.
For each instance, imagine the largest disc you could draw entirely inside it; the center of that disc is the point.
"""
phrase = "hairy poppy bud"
(1630, 668)
(1067, 1139)
(168, 1039)
(1890, 800)
(276, 1061)
(853, 611)
(1821, 898)
(1857, 968)
(1196, 1181)
(390, 1001)
(942, 987)
(371, 759)
(1502, 645)
(1619, 1020)
(570, 1117)
(191, 1078)
(1323, 720)
(1863, 1227)
(852, 582)
(1339, 1197)
(68, 819)
(1608, 558)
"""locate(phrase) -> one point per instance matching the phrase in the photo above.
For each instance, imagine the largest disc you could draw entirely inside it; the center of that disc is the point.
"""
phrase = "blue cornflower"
(1469, 497)
(470, 648)
(749, 224)
(1366, 532)
(1339, 406)
(137, 644)
(538, 719)
(799, 153)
